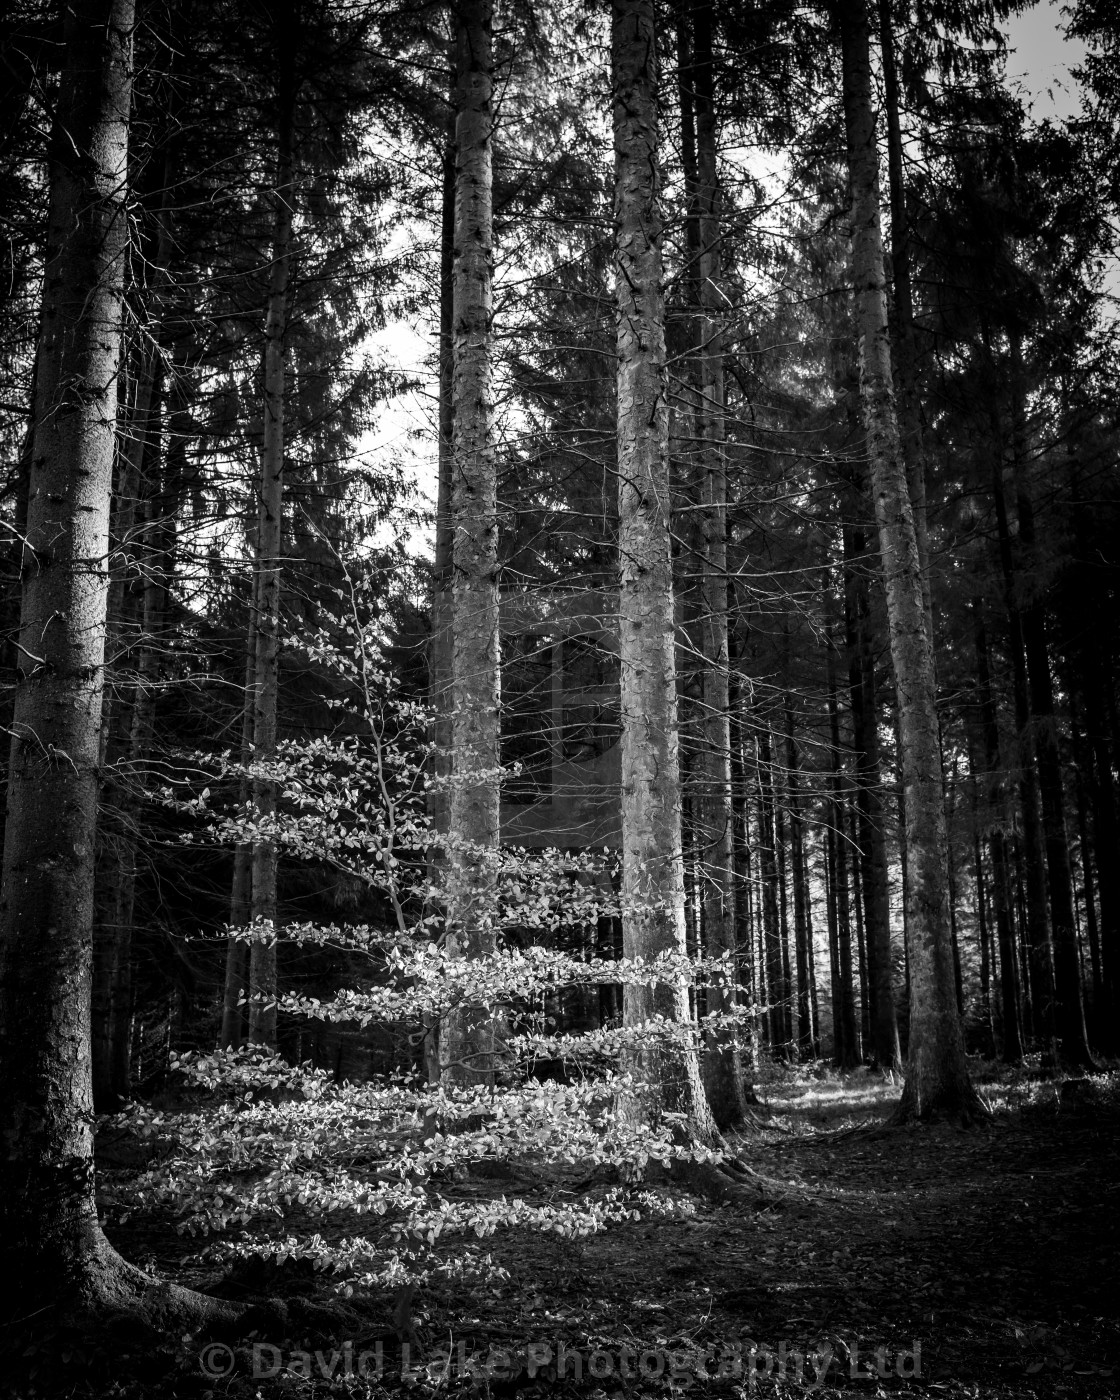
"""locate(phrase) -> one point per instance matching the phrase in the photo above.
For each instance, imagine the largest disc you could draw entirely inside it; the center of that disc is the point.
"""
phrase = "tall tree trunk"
(723, 1070)
(1084, 769)
(905, 347)
(870, 814)
(768, 874)
(265, 692)
(470, 1038)
(46, 901)
(844, 1034)
(440, 642)
(652, 878)
(235, 987)
(802, 926)
(48, 1215)
(937, 1081)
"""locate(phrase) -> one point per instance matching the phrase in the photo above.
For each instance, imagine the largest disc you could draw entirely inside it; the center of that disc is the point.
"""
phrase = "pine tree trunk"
(723, 1074)
(440, 641)
(905, 348)
(802, 927)
(470, 1039)
(48, 1215)
(652, 876)
(845, 1049)
(265, 690)
(870, 814)
(937, 1082)
(46, 903)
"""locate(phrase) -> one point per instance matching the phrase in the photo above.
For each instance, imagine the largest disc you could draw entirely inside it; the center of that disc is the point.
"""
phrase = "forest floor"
(921, 1261)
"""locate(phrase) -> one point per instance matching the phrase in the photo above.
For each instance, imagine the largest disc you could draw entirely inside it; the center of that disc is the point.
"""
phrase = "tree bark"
(48, 1215)
(668, 1075)
(723, 1068)
(265, 690)
(470, 1038)
(870, 815)
(906, 353)
(937, 1081)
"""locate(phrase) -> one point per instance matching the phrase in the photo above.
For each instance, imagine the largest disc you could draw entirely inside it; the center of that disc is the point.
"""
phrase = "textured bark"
(440, 641)
(652, 875)
(48, 1215)
(937, 1082)
(265, 690)
(470, 1038)
(723, 1069)
(905, 347)
(46, 901)
(882, 1018)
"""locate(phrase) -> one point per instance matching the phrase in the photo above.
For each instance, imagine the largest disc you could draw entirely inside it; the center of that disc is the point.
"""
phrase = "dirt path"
(985, 1263)
(925, 1261)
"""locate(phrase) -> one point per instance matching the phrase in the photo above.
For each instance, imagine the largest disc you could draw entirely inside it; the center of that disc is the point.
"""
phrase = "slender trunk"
(1084, 767)
(439, 652)
(768, 874)
(905, 347)
(1010, 1000)
(937, 1081)
(845, 1049)
(235, 987)
(723, 1070)
(440, 642)
(265, 691)
(983, 936)
(471, 1038)
(652, 882)
(802, 928)
(883, 1020)
(744, 906)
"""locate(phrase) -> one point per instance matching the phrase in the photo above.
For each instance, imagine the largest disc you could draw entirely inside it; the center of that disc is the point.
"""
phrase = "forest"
(560, 627)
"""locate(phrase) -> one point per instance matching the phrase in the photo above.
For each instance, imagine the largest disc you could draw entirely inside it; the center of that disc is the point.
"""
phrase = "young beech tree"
(467, 1040)
(50, 1222)
(652, 862)
(937, 1082)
